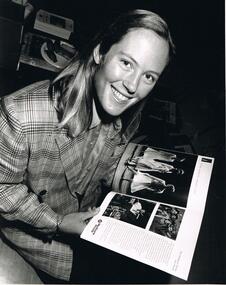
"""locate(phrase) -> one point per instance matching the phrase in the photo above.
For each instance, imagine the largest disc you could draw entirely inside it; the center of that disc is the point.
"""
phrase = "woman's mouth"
(119, 97)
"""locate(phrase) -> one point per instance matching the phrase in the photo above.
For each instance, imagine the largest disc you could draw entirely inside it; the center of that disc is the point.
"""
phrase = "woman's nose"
(131, 82)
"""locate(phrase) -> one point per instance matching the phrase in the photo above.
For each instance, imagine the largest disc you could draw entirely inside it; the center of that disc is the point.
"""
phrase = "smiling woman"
(61, 141)
(129, 70)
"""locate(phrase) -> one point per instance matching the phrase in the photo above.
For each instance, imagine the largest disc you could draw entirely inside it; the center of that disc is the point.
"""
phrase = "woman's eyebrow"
(131, 58)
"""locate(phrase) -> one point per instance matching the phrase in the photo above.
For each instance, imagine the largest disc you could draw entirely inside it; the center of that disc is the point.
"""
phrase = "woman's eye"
(150, 78)
(126, 63)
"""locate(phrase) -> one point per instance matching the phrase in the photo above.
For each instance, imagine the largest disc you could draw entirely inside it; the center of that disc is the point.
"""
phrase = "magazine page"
(159, 232)
(156, 174)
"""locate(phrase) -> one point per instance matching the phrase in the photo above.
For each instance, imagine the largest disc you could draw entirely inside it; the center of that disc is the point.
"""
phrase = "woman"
(60, 141)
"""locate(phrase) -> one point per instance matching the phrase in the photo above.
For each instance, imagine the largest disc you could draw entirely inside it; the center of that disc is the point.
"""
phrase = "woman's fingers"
(87, 215)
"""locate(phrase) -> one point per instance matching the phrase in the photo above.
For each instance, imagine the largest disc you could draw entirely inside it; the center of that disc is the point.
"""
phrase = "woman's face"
(129, 70)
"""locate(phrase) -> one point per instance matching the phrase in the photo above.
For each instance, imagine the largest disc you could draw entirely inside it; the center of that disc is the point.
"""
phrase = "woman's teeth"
(119, 97)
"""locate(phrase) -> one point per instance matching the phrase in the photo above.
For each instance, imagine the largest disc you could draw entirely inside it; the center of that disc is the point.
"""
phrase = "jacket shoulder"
(27, 92)
(31, 105)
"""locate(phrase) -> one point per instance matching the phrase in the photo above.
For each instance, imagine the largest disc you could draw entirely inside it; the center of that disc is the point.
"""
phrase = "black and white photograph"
(162, 175)
(167, 221)
(129, 209)
(80, 81)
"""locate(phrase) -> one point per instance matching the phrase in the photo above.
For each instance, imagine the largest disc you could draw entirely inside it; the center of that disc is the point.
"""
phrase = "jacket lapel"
(71, 156)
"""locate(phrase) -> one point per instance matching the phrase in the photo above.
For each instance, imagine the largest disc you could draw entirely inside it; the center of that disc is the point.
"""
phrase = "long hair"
(74, 88)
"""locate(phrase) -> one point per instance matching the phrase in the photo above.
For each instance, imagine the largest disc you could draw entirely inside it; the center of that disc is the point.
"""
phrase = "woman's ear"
(96, 54)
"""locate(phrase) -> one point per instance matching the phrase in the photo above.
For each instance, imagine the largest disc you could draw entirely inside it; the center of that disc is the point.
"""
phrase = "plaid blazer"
(42, 174)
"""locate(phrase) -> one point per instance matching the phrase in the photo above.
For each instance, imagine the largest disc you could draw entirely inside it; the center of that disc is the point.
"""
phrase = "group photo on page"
(112, 142)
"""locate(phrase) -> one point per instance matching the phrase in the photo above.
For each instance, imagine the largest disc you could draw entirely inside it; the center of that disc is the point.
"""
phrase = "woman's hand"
(75, 223)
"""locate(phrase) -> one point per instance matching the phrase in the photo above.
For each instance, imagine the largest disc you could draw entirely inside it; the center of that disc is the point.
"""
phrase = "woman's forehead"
(144, 46)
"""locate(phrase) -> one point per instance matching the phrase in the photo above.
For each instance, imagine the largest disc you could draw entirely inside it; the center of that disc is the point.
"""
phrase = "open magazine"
(155, 210)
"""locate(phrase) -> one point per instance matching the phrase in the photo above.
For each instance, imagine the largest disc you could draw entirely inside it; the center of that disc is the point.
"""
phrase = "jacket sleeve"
(17, 203)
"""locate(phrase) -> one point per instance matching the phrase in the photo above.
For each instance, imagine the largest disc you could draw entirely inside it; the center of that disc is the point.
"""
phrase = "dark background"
(194, 81)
